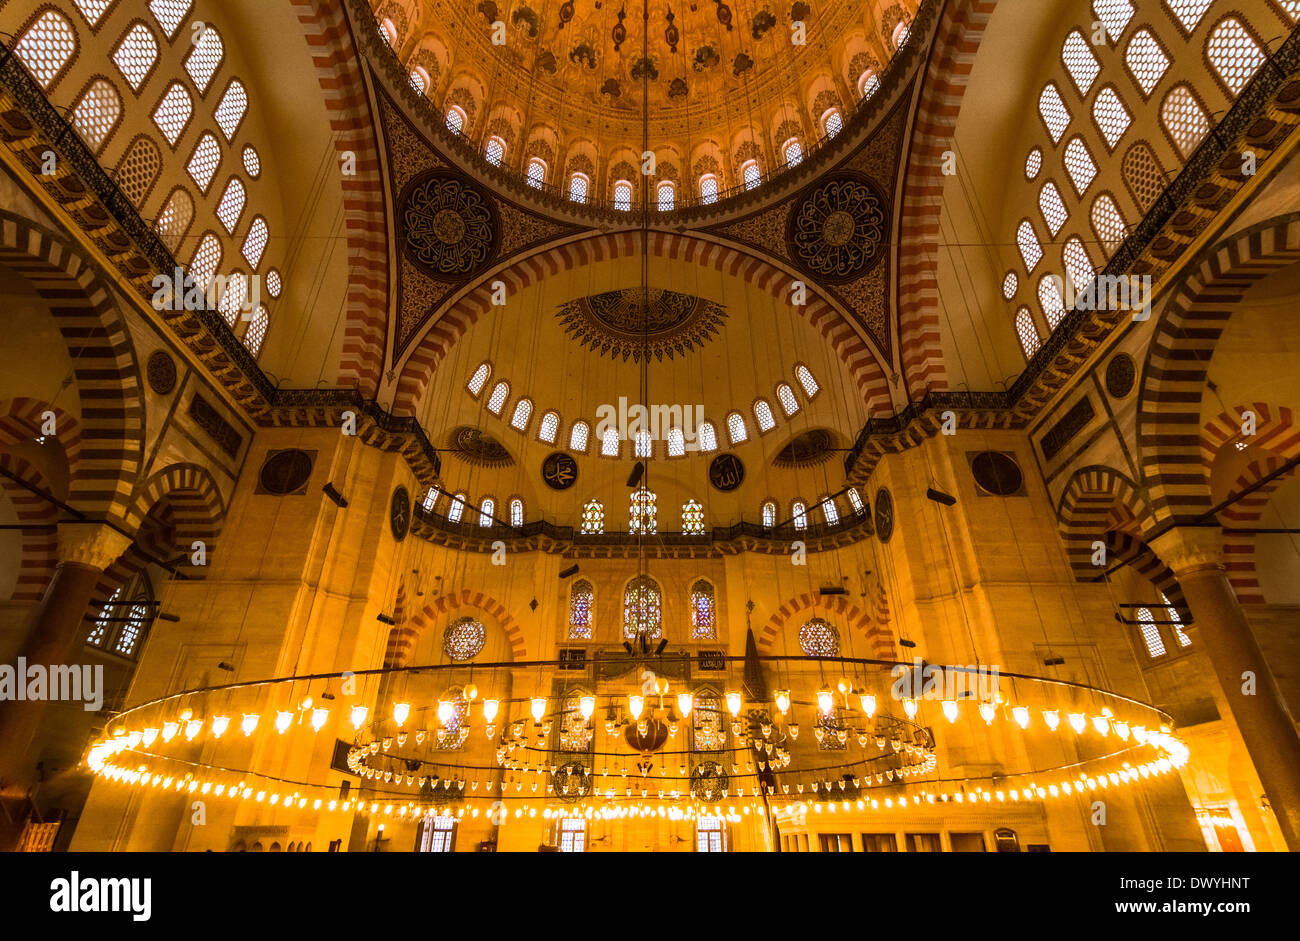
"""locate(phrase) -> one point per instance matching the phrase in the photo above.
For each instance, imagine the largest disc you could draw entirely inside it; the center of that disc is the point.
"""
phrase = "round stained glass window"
(819, 638)
(464, 639)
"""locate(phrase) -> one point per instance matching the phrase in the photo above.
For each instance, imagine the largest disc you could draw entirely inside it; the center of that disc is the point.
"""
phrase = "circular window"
(463, 640)
(819, 638)
(997, 473)
(285, 472)
(252, 162)
(1033, 163)
(1009, 285)
(273, 282)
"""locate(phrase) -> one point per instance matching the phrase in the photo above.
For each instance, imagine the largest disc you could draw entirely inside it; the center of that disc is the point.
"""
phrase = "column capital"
(95, 545)
(1187, 549)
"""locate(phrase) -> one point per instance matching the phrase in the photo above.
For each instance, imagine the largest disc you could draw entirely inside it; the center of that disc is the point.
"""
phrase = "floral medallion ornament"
(449, 225)
(636, 323)
(837, 231)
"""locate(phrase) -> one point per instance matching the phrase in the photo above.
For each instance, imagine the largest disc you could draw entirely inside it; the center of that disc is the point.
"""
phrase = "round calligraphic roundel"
(449, 225)
(399, 513)
(884, 515)
(726, 472)
(837, 230)
(559, 471)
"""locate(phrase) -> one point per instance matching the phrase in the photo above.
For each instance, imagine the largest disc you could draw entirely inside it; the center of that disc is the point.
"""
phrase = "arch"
(40, 546)
(440, 336)
(1179, 355)
(195, 500)
(872, 624)
(1098, 500)
(104, 363)
(403, 637)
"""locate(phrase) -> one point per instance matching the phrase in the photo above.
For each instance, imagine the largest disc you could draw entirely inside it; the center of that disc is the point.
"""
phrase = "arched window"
(136, 54)
(642, 609)
(1176, 622)
(708, 438)
(1052, 206)
(623, 196)
(750, 173)
(173, 112)
(495, 151)
(536, 172)
(789, 404)
(704, 622)
(769, 514)
(125, 619)
(736, 428)
(1078, 266)
(255, 242)
(578, 435)
(93, 10)
(231, 206)
(582, 610)
(516, 512)
(523, 411)
(763, 415)
(205, 261)
(708, 189)
(205, 58)
(578, 184)
(855, 500)
(1080, 61)
(273, 282)
(1233, 53)
(642, 444)
(256, 331)
(456, 120)
(96, 113)
(1079, 164)
(642, 512)
(174, 221)
(832, 123)
(234, 297)
(456, 508)
(1010, 284)
(900, 35)
(609, 443)
(419, 79)
(486, 509)
(548, 427)
(1027, 331)
(1146, 61)
(692, 518)
(1053, 111)
(792, 151)
(1143, 175)
(799, 514)
(1107, 223)
(709, 732)
(1049, 295)
(1110, 115)
(1150, 633)
(1030, 249)
(593, 518)
(666, 196)
(138, 169)
(676, 442)
(1115, 14)
(1033, 162)
(1184, 119)
(231, 109)
(46, 47)
(204, 161)
(497, 400)
(805, 377)
(170, 14)
(479, 379)
(388, 32)
(868, 84)
(819, 638)
(430, 499)
(1188, 12)
(830, 511)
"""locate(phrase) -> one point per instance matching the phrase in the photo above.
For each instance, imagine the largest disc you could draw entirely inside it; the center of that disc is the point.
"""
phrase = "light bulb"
(169, 731)
(358, 716)
(734, 703)
(1121, 729)
(1021, 715)
(149, 736)
(318, 717)
(192, 728)
(685, 703)
(1077, 721)
(987, 712)
(306, 703)
(538, 708)
(793, 729)
(1052, 718)
(445, 711)
(219, 725)
(282, 720)
(635, 704)
(868, 702)
(909, 706)
(825, 701)
(1101, 724)
(783, 701)
(586, 706)
(1139, 733)
(400, 711)
(950, 709)
(845, 686)
(490, 707)
(471, 692)
(249, 723)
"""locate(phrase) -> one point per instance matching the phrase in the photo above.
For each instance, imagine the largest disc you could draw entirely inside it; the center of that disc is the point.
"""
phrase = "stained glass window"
(763, 415)
(708, 437)
(805, 377)
(704, 625)
(1143, 174)
(463, 639)
(523, 411)
(136, 54)
(800, 515)
(642, 513)
(96, 113)
(485, 511)
(1234, 54)
(710, 733)
(593, 518)
(578, 437)
(769, 514)
(497, 400)
(789, 404)
(819, 638)
(456, 508)
(273, 283)
(46, 47)
(549, 427)
(692, 518)
(855, 500)
(642, 608)
(479, 379)
(582, 610)
(736, 428)
(130, 631)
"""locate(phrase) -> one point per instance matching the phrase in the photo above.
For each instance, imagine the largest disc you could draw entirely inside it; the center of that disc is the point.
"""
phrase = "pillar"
(1261, 715)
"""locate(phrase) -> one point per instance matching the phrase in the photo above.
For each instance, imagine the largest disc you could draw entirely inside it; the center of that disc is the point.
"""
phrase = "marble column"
(85, 550)
(1263, 719)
